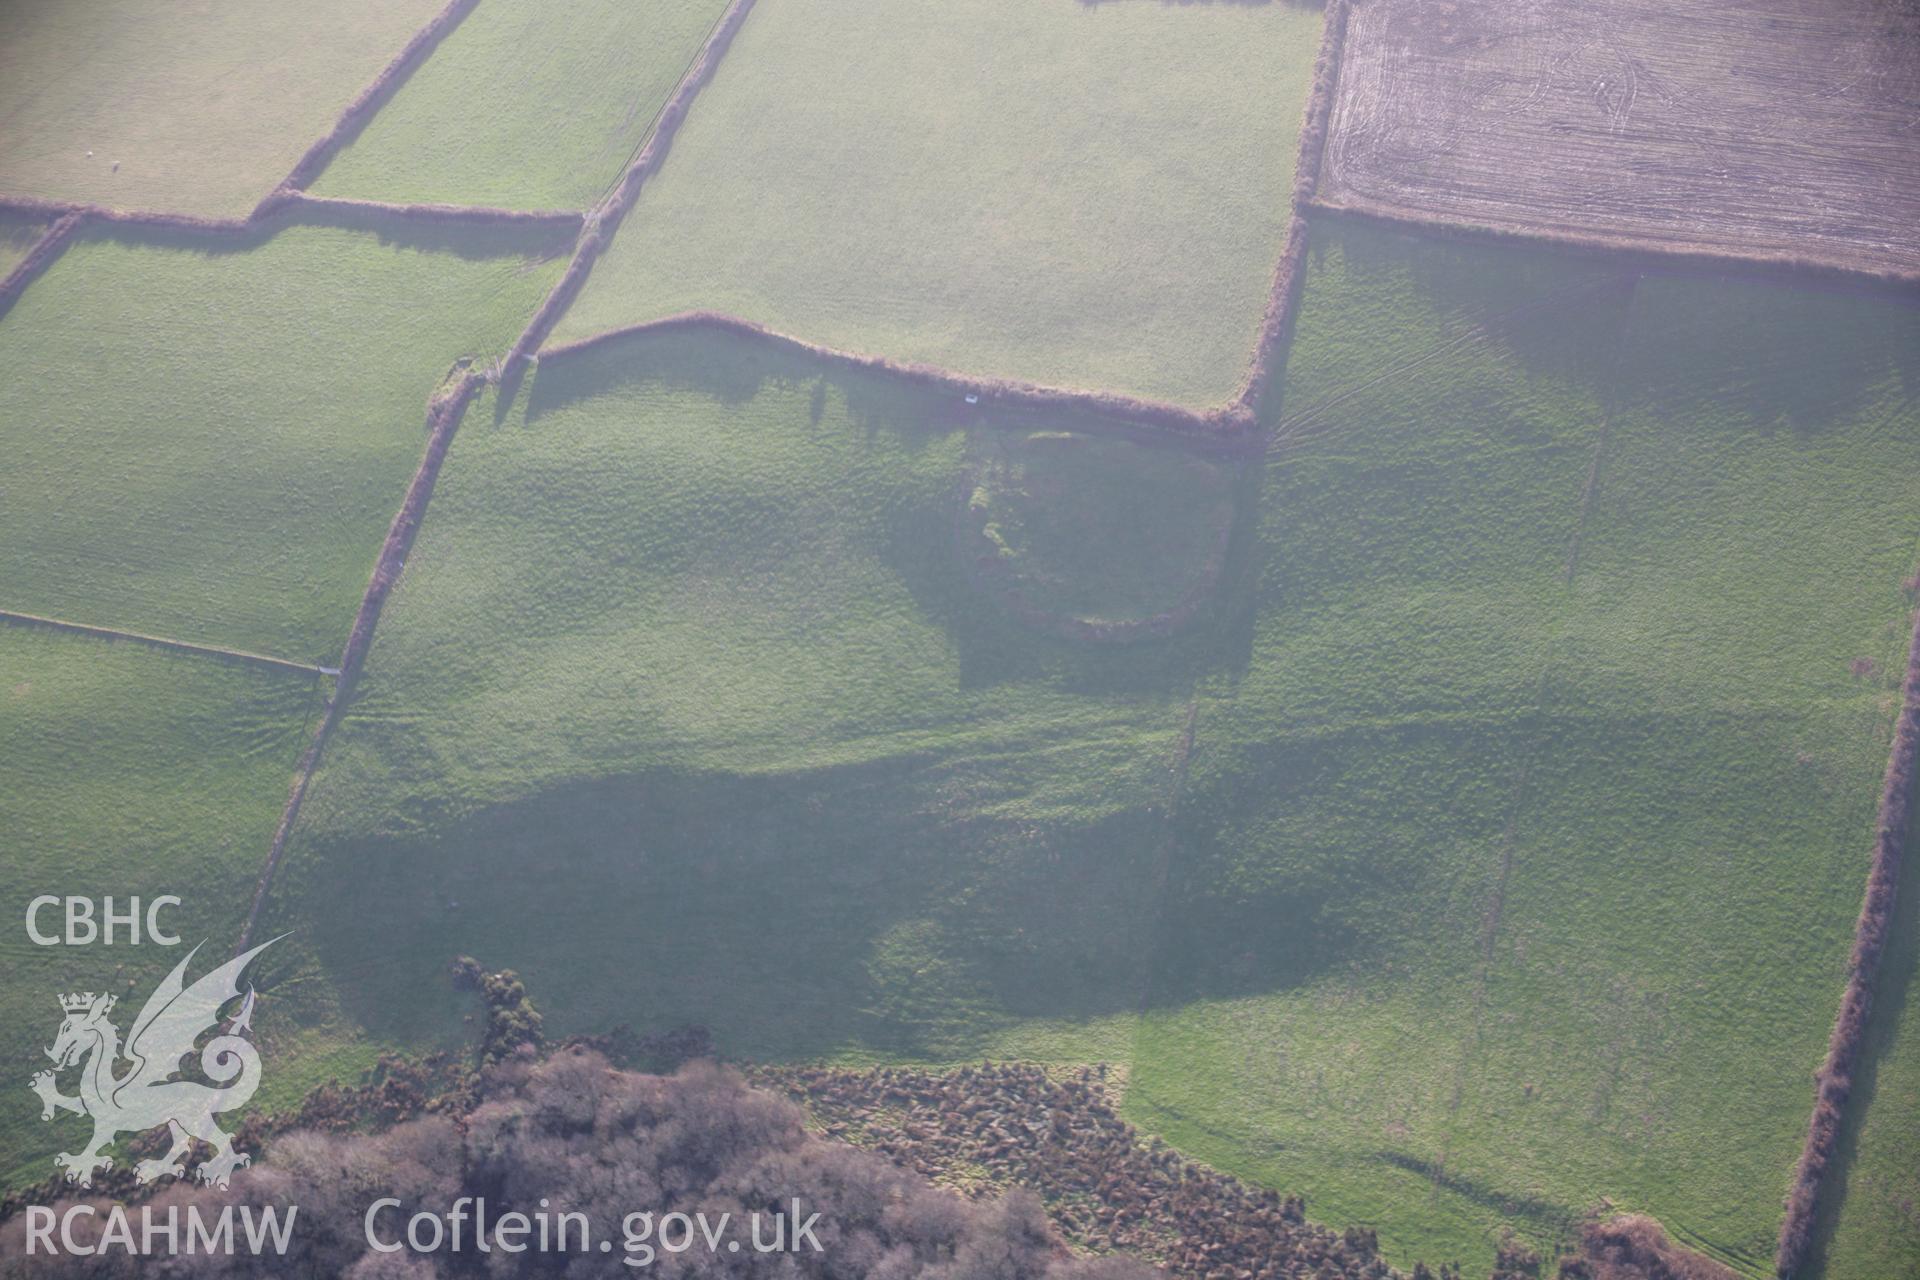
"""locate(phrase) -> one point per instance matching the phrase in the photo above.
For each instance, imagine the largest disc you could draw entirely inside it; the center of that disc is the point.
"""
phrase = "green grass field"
(687, 660)
(127, 771)
(1533, 835)
(203, 107)
(1081, 215)
(1479, 850)
(1532, 789)
(208, 442)
(526, 106)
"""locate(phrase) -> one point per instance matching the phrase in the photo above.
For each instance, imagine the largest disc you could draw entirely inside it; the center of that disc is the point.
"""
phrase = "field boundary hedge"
(1657, 254)
(567, 220)
(1237, 417)
(605, 217)
(354, 116)
(14, 618)
(1833, 1082)
(448, 407)
(44, 251)
(290, 193)
(1223, 426)
(1276, 323)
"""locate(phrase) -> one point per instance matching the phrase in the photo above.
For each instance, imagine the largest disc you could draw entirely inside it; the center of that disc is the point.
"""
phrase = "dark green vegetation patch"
(1095, 539)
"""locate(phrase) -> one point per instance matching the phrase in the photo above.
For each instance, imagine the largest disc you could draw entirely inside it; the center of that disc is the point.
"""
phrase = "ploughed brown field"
(1772, 128)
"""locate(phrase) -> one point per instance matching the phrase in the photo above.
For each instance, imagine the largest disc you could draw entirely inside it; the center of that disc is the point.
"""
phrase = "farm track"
(13, 618)
(1164, 858)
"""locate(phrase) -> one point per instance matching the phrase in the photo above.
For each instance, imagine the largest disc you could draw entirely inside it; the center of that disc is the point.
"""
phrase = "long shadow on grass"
(1806, 358)
(875, 906)
(470, 240)
(925, 549)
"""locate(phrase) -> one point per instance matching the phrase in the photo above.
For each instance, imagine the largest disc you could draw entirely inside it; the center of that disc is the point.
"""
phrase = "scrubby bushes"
(573, 1134)
(1010, 1124)
(1633, 1247)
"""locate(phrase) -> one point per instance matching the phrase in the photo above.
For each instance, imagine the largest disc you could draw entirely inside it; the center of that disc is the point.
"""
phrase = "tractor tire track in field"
(1608, 406)
(1562, 1223)
(14, 618)
(1162, 874)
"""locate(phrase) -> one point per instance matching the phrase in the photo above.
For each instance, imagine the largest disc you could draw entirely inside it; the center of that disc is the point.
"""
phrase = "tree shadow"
(463, 238)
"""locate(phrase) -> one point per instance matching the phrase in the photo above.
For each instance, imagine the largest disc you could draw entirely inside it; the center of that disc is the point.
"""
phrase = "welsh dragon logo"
(146, 1096)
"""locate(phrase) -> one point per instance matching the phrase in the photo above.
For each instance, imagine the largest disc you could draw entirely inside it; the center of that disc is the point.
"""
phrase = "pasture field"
(203, 107)
(1778, 129)
(1539, 711)
(1519, 869)
(525, 106)
(1078, 216)
(127, 770)
(687, 657)
(207, 438)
